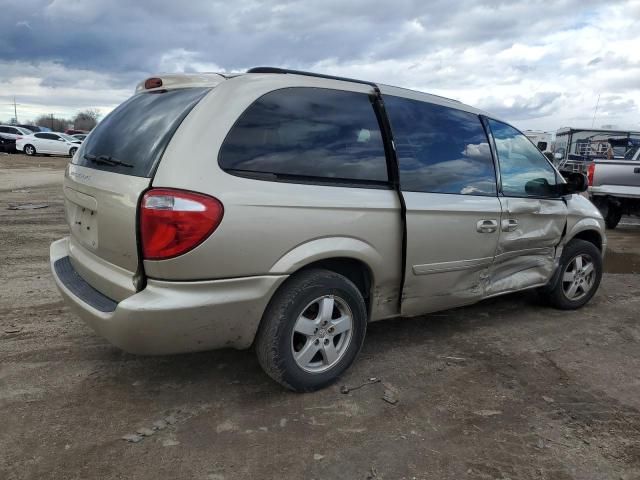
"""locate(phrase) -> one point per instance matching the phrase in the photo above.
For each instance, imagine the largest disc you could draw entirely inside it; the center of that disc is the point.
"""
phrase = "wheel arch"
(353, 258)
(590, 231)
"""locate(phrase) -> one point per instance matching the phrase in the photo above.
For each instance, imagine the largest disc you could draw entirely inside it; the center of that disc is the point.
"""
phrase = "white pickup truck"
(614, 186)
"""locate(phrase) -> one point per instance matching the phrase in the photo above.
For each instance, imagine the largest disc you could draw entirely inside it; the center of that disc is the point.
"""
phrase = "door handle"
(509, 224)
(487, 226)
(636, 170)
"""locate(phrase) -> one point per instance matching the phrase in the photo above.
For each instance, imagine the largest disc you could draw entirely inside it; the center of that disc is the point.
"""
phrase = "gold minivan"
(285, 210)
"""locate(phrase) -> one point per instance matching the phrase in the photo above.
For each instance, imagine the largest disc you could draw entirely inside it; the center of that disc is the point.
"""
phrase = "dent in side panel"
(531, 229)
(444, 290)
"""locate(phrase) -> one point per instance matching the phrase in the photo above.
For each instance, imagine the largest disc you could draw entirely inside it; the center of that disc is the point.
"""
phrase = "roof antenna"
(595, 111)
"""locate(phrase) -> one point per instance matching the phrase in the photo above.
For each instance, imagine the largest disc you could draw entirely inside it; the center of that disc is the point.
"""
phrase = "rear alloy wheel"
(29, 150)
(312, 330)
(321, 334)
(579, 276)
(72, 151)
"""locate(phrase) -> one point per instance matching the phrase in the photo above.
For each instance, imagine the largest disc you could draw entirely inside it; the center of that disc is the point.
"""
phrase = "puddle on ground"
(617, 262)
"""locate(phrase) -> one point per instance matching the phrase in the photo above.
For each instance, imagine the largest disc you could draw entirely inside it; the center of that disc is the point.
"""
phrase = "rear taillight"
(590, 171)
(172, 222)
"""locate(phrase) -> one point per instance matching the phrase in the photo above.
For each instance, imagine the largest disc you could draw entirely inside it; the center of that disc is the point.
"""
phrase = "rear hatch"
(106, 178)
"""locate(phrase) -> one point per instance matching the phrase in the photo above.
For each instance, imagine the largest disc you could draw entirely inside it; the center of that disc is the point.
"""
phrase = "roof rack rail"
(308, 74)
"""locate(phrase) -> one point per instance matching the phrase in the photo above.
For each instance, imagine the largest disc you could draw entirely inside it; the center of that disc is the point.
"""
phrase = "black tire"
(554, 294)
(72, 151)
(30, 150)
(613, 216)
(274, 341)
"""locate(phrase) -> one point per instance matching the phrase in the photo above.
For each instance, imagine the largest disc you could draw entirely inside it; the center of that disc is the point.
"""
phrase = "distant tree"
(54, 123)
(87, 119)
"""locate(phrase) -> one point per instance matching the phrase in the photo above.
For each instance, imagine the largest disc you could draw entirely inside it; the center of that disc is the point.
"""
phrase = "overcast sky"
(537, 66)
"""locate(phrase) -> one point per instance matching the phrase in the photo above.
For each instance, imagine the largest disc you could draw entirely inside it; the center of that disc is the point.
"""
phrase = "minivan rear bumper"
(169, 317)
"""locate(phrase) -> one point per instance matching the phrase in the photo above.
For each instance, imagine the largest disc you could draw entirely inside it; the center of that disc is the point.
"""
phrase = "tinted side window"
(524, 170)
(310, 132)
(40, 135)
(440, 149)
(4, 130)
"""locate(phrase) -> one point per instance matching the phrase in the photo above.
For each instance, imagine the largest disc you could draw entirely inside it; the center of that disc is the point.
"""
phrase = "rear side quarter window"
(307, 134)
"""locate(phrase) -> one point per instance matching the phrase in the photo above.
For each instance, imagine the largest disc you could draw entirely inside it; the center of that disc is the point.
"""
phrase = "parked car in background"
(286, 210)
(53, 143)
(80, 136)
(71, 131)
(9, 134)
(13, 131)
(614, 186)
(33, 128)
(7, 145)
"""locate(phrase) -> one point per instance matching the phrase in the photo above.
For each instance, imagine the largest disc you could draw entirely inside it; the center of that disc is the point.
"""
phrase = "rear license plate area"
(84, 225)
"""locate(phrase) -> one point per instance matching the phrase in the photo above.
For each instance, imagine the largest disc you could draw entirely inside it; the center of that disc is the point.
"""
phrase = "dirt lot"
(503, 389)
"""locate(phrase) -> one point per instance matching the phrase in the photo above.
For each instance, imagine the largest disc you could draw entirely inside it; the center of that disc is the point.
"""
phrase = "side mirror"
(576, 183)
(539, 187)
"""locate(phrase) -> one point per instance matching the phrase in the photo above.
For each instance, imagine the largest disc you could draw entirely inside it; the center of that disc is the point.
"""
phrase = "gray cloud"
(540, 104)
(527, 63)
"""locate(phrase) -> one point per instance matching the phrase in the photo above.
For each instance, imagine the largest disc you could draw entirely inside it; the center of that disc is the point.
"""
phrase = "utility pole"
(15, 109)
(51, 117)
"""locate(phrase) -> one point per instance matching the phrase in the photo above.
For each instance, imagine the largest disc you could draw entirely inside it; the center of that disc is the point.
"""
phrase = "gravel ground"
(503, 389)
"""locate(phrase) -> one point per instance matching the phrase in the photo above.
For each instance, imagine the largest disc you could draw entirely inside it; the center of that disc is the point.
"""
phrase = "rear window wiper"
(106, 160)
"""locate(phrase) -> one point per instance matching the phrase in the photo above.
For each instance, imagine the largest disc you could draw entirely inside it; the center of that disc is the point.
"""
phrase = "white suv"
(13, 132)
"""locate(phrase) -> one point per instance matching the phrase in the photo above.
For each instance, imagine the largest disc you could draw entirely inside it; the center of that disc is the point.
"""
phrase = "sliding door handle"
(487, 226)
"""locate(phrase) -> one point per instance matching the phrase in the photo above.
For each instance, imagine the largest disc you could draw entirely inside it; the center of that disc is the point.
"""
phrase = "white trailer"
(541, 139)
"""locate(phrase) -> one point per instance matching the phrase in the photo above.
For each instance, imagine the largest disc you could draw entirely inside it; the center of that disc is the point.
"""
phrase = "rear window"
(132, 138)
(303, 134)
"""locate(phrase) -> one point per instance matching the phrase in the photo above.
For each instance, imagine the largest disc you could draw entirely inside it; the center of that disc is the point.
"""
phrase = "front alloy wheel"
(579, 277)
